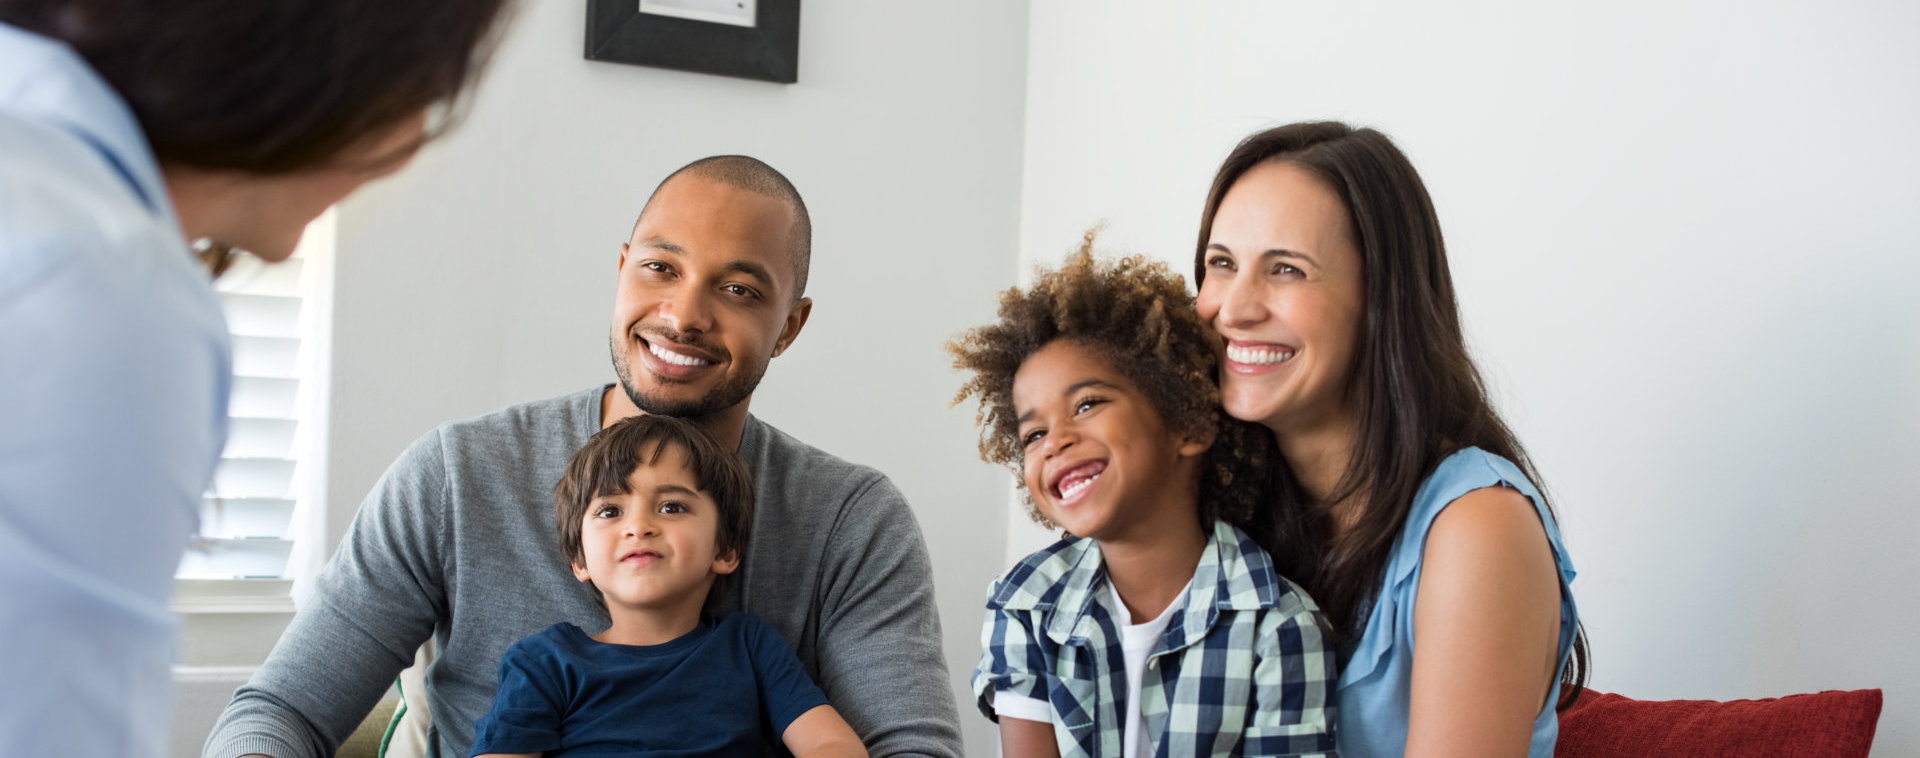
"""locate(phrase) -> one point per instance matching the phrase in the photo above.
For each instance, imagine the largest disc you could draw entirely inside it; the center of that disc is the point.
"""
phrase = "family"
(1255, 487)
(1256, 473)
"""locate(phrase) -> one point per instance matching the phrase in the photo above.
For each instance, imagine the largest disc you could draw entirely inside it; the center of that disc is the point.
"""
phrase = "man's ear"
(796, 319)
(726, 564)
(623, 258)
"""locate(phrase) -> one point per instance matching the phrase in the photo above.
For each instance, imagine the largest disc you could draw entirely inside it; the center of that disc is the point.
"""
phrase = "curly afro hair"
(1137, 315)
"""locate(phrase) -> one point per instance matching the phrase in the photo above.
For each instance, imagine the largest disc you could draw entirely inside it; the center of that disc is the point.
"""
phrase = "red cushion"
(1835, 723)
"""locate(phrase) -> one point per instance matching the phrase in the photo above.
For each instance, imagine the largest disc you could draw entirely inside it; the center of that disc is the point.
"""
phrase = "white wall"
(484, 275)
(1685, 239)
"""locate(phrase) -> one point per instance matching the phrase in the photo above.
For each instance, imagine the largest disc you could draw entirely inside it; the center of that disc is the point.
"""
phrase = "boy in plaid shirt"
(1156, 627)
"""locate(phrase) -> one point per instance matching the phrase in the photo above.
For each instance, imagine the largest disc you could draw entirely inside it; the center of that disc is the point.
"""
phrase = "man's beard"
(730, 392)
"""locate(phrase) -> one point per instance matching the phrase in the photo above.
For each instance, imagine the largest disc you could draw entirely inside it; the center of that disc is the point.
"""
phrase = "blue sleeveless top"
(1376, 683)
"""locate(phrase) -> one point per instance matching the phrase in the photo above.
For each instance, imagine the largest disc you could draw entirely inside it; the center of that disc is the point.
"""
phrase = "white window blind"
(263, 490)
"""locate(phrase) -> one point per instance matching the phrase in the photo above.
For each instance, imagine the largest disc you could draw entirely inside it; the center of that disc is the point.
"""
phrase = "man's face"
(705, 298)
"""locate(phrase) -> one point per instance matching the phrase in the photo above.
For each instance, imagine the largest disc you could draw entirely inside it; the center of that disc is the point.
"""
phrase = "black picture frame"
(618, 32)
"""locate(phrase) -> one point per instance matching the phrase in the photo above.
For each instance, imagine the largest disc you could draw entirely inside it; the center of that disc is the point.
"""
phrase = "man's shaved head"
(754, 176)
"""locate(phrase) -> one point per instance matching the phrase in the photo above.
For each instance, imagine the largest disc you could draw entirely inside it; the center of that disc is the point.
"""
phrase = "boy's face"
(654, 548)
(1098, 459)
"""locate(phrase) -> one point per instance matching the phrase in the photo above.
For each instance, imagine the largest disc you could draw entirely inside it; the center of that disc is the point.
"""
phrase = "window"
(260, 523)
(267, 490)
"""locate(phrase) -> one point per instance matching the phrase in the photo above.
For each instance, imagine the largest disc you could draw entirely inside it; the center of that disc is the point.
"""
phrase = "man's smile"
(676, 358)
(672, 359)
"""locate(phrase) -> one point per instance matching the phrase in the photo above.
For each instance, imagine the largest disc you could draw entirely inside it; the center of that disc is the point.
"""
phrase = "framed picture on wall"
(751, 39)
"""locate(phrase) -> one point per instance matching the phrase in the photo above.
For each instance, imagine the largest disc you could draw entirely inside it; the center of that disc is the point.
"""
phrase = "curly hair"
(1137, 315)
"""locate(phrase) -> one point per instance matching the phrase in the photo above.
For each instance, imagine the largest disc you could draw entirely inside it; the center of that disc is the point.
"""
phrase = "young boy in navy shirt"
(654, 515)
(1157, 626)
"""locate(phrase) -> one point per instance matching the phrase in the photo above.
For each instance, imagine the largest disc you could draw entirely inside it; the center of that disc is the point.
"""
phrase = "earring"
(217, 256)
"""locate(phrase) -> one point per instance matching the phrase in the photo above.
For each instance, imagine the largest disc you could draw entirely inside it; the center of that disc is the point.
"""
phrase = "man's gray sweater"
(457, 541)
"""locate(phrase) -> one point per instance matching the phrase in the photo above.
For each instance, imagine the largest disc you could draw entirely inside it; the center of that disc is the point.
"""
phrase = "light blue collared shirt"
(114, 374)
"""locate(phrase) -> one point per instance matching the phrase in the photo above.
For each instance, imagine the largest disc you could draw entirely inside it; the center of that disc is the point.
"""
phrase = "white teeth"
(673, 357)
(1068, 491)
(1257, 356)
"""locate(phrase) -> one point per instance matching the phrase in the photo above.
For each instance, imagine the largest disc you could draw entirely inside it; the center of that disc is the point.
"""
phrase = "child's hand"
(821, 733)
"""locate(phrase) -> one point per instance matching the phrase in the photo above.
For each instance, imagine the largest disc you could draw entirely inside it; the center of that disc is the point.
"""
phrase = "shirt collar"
(1232, 574)
(41, 79)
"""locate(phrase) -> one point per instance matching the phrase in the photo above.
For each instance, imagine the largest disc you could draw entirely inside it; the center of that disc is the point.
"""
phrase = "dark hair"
(1418, 395)
(754, 175)
(270, 87)
(1138, 317)
(601, 468)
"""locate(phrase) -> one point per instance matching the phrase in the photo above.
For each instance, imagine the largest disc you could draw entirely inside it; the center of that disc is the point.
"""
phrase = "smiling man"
(456, 540)
(693, 331)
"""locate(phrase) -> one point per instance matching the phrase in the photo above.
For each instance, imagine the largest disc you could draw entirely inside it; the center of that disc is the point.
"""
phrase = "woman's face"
(1283, 285)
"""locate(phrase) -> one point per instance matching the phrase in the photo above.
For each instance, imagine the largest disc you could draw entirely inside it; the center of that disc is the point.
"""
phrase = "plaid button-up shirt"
(1242, 668)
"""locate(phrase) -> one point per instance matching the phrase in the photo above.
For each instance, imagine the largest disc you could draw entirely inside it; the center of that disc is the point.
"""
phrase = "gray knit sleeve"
(373, 605)
(879, 646)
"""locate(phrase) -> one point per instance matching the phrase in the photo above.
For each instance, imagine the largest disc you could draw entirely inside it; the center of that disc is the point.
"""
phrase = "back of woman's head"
(271, 86)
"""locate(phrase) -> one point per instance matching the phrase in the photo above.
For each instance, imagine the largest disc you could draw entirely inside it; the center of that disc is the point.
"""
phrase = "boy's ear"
(1191, 446)
(580, 571)
(726, 563)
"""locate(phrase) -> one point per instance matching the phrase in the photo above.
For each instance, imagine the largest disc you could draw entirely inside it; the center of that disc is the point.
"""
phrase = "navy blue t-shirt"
(725, 688)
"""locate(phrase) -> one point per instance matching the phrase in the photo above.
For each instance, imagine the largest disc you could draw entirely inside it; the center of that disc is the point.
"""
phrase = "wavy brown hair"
(1137, 315)
(1419, 396)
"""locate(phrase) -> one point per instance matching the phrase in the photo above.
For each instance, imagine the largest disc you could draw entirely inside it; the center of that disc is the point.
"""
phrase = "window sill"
(209, 596)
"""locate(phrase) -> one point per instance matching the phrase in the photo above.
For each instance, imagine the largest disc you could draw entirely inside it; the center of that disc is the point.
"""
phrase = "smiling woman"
(1284, 243)
(1321, 264)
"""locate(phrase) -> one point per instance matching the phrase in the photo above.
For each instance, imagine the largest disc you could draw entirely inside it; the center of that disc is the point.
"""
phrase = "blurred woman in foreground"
(130, 129)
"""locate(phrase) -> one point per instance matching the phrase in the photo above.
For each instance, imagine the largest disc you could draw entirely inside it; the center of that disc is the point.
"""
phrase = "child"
(1156, 627)
(654, 514)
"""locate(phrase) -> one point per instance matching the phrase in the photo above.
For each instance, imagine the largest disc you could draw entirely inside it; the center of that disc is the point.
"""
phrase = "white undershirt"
(1136, 641)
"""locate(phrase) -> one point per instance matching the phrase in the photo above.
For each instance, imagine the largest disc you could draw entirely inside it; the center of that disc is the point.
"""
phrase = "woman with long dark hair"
(128, 130)
(1320, 262)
